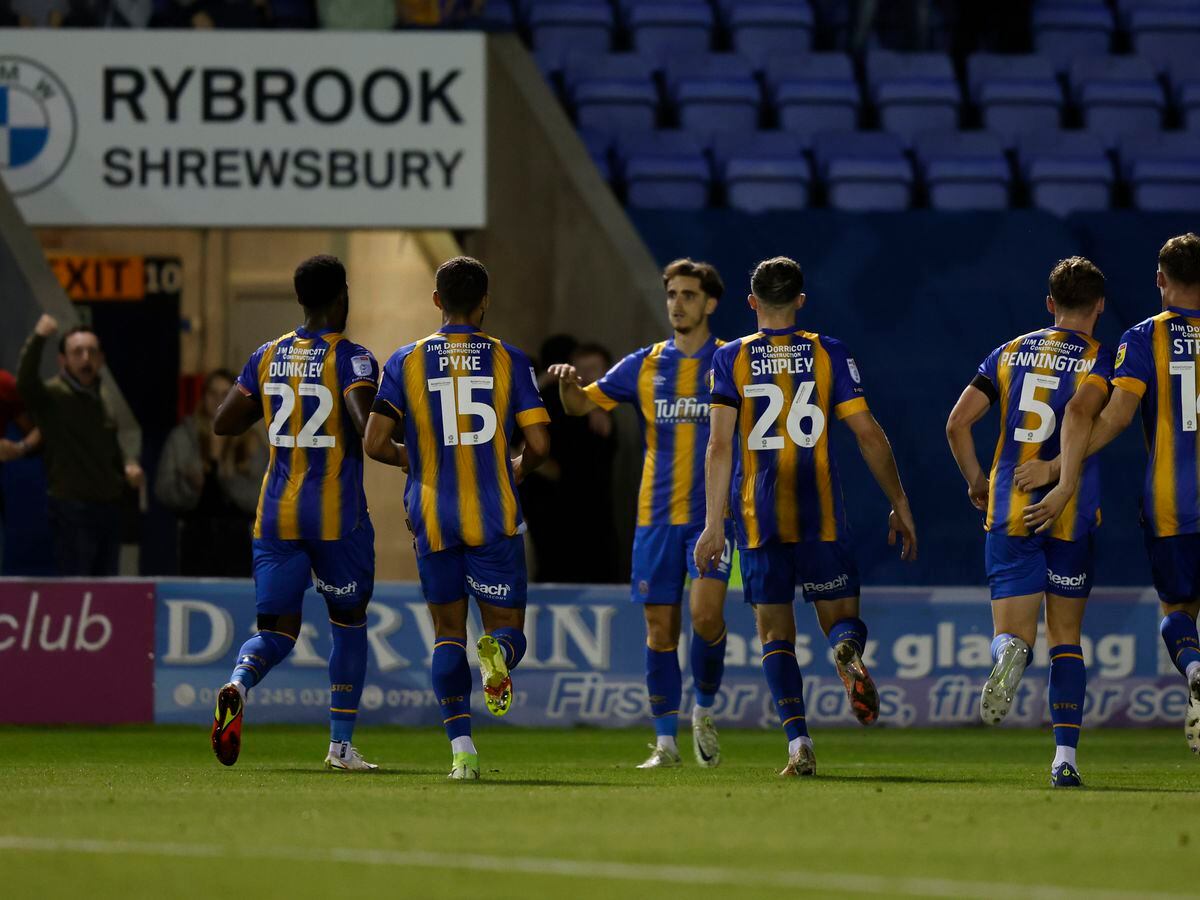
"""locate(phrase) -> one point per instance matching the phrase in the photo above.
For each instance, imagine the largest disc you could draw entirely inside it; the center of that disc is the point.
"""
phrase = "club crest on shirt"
(853, 371)
(361, 365)
(1120, 356)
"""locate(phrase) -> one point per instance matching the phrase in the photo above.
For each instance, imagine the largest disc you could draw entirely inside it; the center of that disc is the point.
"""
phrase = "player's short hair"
(71, 332)
(591, 348)
(777, 281)
(1179, 259)
(1076, 283)
(319, 281)
(462, 283)
(710, 279)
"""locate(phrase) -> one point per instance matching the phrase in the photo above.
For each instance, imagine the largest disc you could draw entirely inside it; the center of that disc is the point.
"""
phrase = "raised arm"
(718, 472)
(570, 390)
(29, 375)
(877, 451)
(972, 406)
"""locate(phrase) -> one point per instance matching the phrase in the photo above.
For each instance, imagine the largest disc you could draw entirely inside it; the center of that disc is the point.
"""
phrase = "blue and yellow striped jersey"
(669, 390)
(1034, 376)
(786, 385)
(461, 395)
(313, 488)
(1157, 360)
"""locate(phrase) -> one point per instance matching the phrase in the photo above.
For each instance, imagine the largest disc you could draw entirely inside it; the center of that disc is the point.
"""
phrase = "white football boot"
(344, 757)
(1001, 686)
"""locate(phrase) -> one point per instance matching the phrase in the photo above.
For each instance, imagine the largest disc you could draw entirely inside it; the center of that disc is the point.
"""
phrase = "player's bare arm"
(359, 402)
(875, 448)
(536, 452)
(570, 390)
(972, 406)
(718, 470)
(379, 441)
(1112, 421)
(237, 413)
(1079, 423)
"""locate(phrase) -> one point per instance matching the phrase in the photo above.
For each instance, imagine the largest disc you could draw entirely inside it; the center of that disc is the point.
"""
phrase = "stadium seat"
(1065, 29)
(1016, 93)
(760, 29)
(864, 170)
(613, 92)
(1163, 170)
(763, 171)
(813, 92)
(670, 28)
(1165, 32)
(963, 169)
(1183, 75)
(913, 91)
(598, 145)
(714, 92)
(665, 170)
(575, 27)
(498, 15)
(1066, 171)
(1118, 94)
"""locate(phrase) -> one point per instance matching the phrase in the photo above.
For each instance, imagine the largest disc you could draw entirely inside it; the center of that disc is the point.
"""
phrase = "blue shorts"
(1017, 566)
(343, 570)
(1175, 566)
(493, 573)
(663, 557)
(824, 569)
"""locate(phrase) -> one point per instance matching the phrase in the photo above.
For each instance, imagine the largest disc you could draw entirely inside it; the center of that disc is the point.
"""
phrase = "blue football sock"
(852, 629)
(708, 667)
(1068, 689)
(998, 643)
(1178, 632)
(787, 686)
(347, 672)
(452, 685)
(513, 642)
(260, 655)
(664, 684)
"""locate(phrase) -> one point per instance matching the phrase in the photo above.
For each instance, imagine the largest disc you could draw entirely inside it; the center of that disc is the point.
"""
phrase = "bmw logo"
(37, 125)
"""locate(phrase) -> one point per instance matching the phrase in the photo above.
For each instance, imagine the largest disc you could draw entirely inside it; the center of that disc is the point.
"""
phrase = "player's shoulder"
(727, 350)
(516, 353)
(1144, 330)
(400, 354)
(266, 346)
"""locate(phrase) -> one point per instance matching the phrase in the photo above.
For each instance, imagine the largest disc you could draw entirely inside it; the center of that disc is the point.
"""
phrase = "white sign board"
(239, 128)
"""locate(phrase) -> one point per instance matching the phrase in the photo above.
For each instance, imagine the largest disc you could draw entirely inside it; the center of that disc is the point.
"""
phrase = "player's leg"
(1069, 569)
(443, 581)
(1016, 568)
(282, 573)
(769, 583)
(496, 577)
(345, 573)
(1175, 565)
(659, 568)
(707, 651)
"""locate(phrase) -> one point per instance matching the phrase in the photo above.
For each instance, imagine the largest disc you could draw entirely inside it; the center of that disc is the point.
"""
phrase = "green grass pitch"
(148, 812)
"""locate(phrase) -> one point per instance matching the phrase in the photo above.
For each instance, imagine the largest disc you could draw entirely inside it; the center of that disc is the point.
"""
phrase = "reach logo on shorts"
(489, 590)
(345, 591)
(840, 582)
(1067, 581)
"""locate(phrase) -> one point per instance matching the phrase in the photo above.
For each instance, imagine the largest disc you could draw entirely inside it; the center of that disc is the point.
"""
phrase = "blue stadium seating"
(963, 169)
(1118, 94)
(1163, 170)
(1184, 78)
(612, 92)
(670, 28)
(714, 92)
(1016, 93)
(574, 27)
(762, 28)
(913, 91)
(598, 144)
(1065, 29)
(1164, 31)
(763, 171)
(665, 170)
(813, 92)
(1067, 171)
(864, 170)
(498, 15)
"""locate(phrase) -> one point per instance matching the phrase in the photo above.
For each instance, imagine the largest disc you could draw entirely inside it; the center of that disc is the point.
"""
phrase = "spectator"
(437, 12)
(12, 412)
(212, 483)
(358, 15)
(91, 457)
(212, 14)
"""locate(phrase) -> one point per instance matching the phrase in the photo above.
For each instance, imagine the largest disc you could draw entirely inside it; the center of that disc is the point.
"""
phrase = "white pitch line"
(671, 874)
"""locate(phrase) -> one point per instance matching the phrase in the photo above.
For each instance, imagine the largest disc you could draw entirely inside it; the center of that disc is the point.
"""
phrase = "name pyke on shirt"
(298, 362)
(461, 356)
(1047, 353)
(794, 359)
